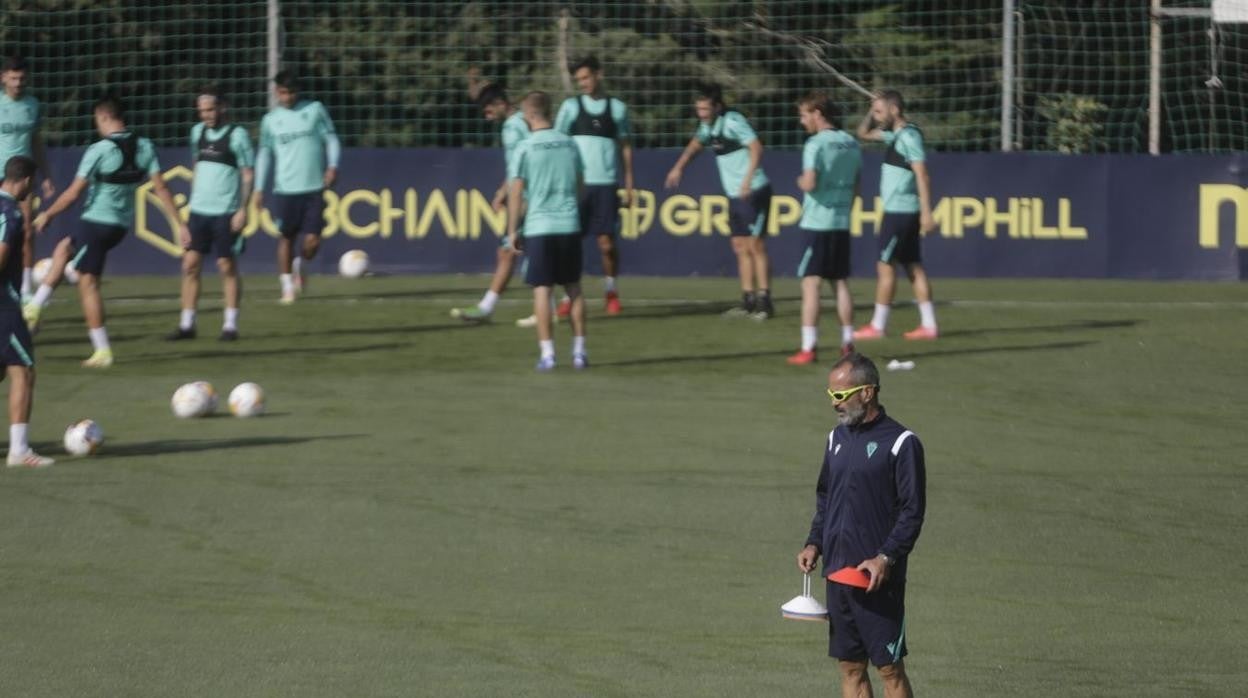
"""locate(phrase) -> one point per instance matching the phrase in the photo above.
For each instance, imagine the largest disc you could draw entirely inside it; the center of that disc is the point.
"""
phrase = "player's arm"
(625, 144)
(247, 177)
(867, 130)
(809, 555)
(333, 149)
(924, 183)
(756, 159)
(806, 182)
(6, 229)
(64, 201)
(910, 482)
(686, 156)
(264, 160)
(40, 151)
(514, 199)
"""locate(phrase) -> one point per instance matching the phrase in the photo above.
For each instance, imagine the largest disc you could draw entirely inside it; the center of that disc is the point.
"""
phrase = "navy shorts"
(600, 210)
(91, 243)
(213, 234)
(748, 216)
(826, 255)
(867, 626)
(899, 239)
(16, 347)
(299, 213)
(553, 260)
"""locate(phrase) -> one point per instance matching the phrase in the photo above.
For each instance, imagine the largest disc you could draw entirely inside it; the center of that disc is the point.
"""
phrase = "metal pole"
(1154, 79)
(1007, 75)
(273, 39)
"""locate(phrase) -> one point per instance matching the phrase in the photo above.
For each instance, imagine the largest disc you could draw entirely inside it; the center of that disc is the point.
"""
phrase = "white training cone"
(804, 607)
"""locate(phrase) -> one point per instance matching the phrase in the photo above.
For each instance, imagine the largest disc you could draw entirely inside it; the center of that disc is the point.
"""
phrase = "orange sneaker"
(564, 309)
(613, 303)
(868, 331)
(922, 333)
(802, 358)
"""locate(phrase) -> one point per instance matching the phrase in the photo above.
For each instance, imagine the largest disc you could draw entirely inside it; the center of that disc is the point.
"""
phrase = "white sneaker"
(29, 459)
(287, 298)
(580, 361)
(530, 321)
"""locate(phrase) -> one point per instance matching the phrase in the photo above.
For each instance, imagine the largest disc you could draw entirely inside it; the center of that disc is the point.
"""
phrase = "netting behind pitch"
(397, 73)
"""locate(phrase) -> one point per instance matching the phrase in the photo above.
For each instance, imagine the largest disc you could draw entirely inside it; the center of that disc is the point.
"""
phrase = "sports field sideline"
(420, 513)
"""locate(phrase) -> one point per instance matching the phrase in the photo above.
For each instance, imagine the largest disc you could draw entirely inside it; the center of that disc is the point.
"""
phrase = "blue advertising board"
(997, 215)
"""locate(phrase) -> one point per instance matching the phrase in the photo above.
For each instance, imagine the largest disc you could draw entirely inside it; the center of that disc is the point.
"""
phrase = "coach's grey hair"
(862, 370)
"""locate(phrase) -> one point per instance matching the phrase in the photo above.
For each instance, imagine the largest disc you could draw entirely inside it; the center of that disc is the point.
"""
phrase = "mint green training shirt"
(732, 127)
(297, 138)
(898, 186)
(600, 155)
(215, 187)
(550, 165)
(19, 119)
(836, 159)
(113, 204)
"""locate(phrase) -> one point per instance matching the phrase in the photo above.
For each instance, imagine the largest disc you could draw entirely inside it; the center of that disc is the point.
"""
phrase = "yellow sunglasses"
(839, 396)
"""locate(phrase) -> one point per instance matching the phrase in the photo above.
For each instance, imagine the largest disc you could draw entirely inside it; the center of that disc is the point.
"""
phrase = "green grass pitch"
(420, 514)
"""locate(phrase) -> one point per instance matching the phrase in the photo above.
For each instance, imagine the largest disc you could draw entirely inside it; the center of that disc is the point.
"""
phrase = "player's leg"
(757, 248)
(312, 213)
(285, 277)
(93, 315)
(28, 250)
(60, 258)
(745, 274)
(845, 313)
(21, 377)
(192, 263)
(232, 290)
(896, 682)
(540, 275)
(610, 252)
(836, 265)
(288, 215)
(810, 321)
(504, 265)
(927, 328)
(854, 680)
(545, 334)
(570, 264)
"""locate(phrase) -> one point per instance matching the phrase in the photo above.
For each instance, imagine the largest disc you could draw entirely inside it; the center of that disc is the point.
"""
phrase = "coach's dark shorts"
(600, 210)
(91, 243)
(826, 255)
(867, 626)
(16, 347)
(899, 239)
(748, 216)
(299, 213)
(554, 260)
(213, 234)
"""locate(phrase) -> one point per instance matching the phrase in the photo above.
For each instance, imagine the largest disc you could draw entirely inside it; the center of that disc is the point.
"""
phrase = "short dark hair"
(892, 97)
(111, 105)
(539, 101)
(490, 94)
(18, 167)
(287, 79)
(14, 63)
(822, 103)
(862, 369)
(211, 90)
(590, 61)
(714, 93)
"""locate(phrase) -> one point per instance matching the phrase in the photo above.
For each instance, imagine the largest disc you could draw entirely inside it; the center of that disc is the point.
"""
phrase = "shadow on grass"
(304, 351)
(166, 446)
(653, 360)
(1072, 326)
(970, 351)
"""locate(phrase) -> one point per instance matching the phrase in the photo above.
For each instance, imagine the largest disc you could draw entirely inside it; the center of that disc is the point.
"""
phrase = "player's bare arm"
(64, 201)
(513, 212)
(626, 157)
(248, 178)
(923, 182)
(756, 159)
(690, 152)
(867, 130)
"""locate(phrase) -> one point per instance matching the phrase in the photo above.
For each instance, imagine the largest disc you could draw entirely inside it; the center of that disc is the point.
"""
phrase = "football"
(246, 400)
(194, 400)
(84, 437)
(353, 264)
(39, 272)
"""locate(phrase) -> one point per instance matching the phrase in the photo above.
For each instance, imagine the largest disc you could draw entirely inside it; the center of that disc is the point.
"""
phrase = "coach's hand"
(331, 176)
(878, 569)
(807, 558)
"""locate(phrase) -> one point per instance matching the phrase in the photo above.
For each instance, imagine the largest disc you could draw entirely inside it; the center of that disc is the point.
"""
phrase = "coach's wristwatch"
(888, 560)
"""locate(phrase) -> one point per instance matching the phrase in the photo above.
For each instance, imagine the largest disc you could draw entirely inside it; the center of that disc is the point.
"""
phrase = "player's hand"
(49, 189)
(630, 197)
(878, 571)
(517, 242)
(744, 191)
(331, 176)
(807, 558)
(926, 223)
(40, 223)
(499, 200)
(673, 178)
(257, 201)
(184, 235)
(238, 220)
